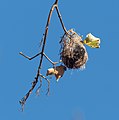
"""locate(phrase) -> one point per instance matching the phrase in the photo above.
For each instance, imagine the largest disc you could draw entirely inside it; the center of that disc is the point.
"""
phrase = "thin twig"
(29, 58)
(60, 17)
(48, 90)
(48, 59)
(53, 63)
(38, 89)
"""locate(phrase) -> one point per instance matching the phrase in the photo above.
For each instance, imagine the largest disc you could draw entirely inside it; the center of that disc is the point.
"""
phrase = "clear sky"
(91, 94)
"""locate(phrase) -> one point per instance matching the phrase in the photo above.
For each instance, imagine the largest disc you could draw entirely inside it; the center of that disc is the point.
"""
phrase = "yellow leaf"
(92, 41)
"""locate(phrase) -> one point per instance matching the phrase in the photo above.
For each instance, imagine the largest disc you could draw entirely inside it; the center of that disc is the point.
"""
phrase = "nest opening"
(73, 52)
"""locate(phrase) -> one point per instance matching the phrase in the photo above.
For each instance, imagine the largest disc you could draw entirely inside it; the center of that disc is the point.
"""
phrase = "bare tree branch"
(38, 74)
(23, 100)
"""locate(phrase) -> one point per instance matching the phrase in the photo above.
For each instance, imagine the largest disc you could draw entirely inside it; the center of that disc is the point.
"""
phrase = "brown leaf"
(58, 71)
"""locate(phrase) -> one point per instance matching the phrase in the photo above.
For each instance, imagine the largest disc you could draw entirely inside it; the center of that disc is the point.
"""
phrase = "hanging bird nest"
(73, 53)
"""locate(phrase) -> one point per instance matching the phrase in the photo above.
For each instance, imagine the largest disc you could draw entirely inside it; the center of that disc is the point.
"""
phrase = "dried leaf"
(50, 71)
(58, 71)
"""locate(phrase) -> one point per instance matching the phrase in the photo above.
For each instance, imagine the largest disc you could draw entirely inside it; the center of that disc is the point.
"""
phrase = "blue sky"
(91, 94)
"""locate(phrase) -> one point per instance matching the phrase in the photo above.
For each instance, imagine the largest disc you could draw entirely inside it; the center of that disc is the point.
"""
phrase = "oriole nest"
(73, 53)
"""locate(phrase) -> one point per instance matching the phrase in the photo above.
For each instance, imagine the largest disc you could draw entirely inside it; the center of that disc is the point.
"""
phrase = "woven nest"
(73, 53)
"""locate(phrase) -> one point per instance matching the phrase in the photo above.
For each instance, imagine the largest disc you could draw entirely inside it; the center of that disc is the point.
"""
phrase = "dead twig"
(29, 58)
(60, 17)
(48, 89)
(38, 89)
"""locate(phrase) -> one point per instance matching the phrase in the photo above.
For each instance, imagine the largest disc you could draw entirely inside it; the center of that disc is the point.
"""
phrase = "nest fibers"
(73, 53)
